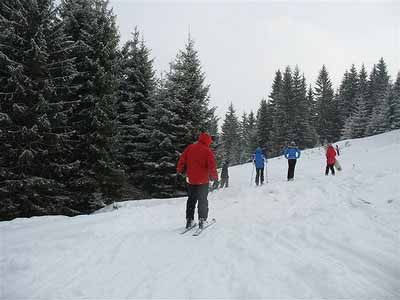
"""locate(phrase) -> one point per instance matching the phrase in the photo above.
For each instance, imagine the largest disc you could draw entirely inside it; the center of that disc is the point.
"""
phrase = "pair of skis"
(198, 230)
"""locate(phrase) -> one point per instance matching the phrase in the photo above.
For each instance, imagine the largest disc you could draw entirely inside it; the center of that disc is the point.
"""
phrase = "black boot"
(202, 222)
(189, 223)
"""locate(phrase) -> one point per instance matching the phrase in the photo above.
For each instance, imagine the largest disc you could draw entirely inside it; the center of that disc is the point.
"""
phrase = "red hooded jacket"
(330, 155)
(199, 161)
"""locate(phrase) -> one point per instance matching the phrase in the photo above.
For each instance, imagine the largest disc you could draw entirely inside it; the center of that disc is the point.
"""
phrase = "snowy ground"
(317, 237)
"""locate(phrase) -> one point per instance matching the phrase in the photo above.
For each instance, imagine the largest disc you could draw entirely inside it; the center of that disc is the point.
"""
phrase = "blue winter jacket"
(259, 158)
(292, 153)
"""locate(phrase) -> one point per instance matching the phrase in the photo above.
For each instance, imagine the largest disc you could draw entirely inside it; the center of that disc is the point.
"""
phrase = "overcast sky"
(241, 43)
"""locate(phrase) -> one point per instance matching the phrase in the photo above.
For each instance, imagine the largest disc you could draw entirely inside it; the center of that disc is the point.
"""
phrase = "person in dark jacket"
(259, 159)
(199, 162)
(224, 175)
(292, 153)
(330, 159)
(337, 150)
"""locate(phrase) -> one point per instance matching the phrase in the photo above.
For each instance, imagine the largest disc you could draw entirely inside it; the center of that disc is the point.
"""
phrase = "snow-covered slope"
(317, 237)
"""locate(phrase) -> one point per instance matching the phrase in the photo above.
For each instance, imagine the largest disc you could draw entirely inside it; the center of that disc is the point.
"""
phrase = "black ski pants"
(197, 194)
(330, 167)
(291, 167)
(224, 182)
(259, 175)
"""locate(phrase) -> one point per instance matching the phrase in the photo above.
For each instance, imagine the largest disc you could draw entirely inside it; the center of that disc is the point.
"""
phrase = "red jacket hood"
(205, 139)
(330, 148)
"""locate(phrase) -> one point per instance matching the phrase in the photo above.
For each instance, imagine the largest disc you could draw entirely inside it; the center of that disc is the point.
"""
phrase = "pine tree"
(363, 83)
(244, 135)
(312, 108)
(230, 136)
(161, 127)
(212, 129)
(371, 98)
(394, 109)
(136, 89)
(377, 85)
(92, 26)
(185, 87)
(356, 123)
(275, 92)
(284, 112)
(303, 128)
(379, 97)
(347, 94)
(379, 122)
(264, 127)
(251, 141)
(326, 108)
(274, 100)
(36, 70)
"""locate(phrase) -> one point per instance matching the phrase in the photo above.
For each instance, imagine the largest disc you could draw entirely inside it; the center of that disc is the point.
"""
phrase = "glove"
(215, 184)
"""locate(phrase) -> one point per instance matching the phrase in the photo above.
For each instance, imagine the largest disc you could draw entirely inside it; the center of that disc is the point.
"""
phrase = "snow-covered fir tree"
(312, 107)
(394, 105)
(230, 135)
(250, 138)
(379, 122)
(303, 129)
(378, 99)
(161, 127)
(371, 98)
(212, 129)
(185, 92)
(363, 83)
(282, 117)
(347, 94)
(243, 127)
(264, 128)
(273, 100)
(185, 86)
(135, 92)
(91, 24)
(36, 72)
(378, 85)
(275, 90)
(356, 123)
(326, 108)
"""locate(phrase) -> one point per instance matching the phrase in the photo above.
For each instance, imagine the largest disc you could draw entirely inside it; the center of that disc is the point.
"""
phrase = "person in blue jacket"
(259, 159)
(292, 153)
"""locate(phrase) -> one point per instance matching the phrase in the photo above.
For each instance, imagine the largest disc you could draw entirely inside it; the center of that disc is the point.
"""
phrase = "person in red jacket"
(199, 162)
(330, 159)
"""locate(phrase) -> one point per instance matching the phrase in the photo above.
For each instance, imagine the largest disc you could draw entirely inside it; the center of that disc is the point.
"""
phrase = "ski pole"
(252, 173)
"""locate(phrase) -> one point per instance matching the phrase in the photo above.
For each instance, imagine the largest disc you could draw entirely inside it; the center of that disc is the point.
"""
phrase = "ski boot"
(202, 223)
(189, 223)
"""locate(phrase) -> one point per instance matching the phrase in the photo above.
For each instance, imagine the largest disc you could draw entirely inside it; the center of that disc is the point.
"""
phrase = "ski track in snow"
(316, 237)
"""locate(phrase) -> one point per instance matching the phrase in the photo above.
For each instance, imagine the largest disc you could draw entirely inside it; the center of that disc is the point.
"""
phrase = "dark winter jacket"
(199, 161)
(330, 155)
(259, 158)
(224, 172)
(292, 152)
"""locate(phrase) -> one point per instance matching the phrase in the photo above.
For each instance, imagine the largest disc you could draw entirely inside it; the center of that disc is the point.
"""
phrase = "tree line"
(363, 105)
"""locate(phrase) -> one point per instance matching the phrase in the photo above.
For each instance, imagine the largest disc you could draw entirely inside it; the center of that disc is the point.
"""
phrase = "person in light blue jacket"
(292, 153)
(259, 159)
